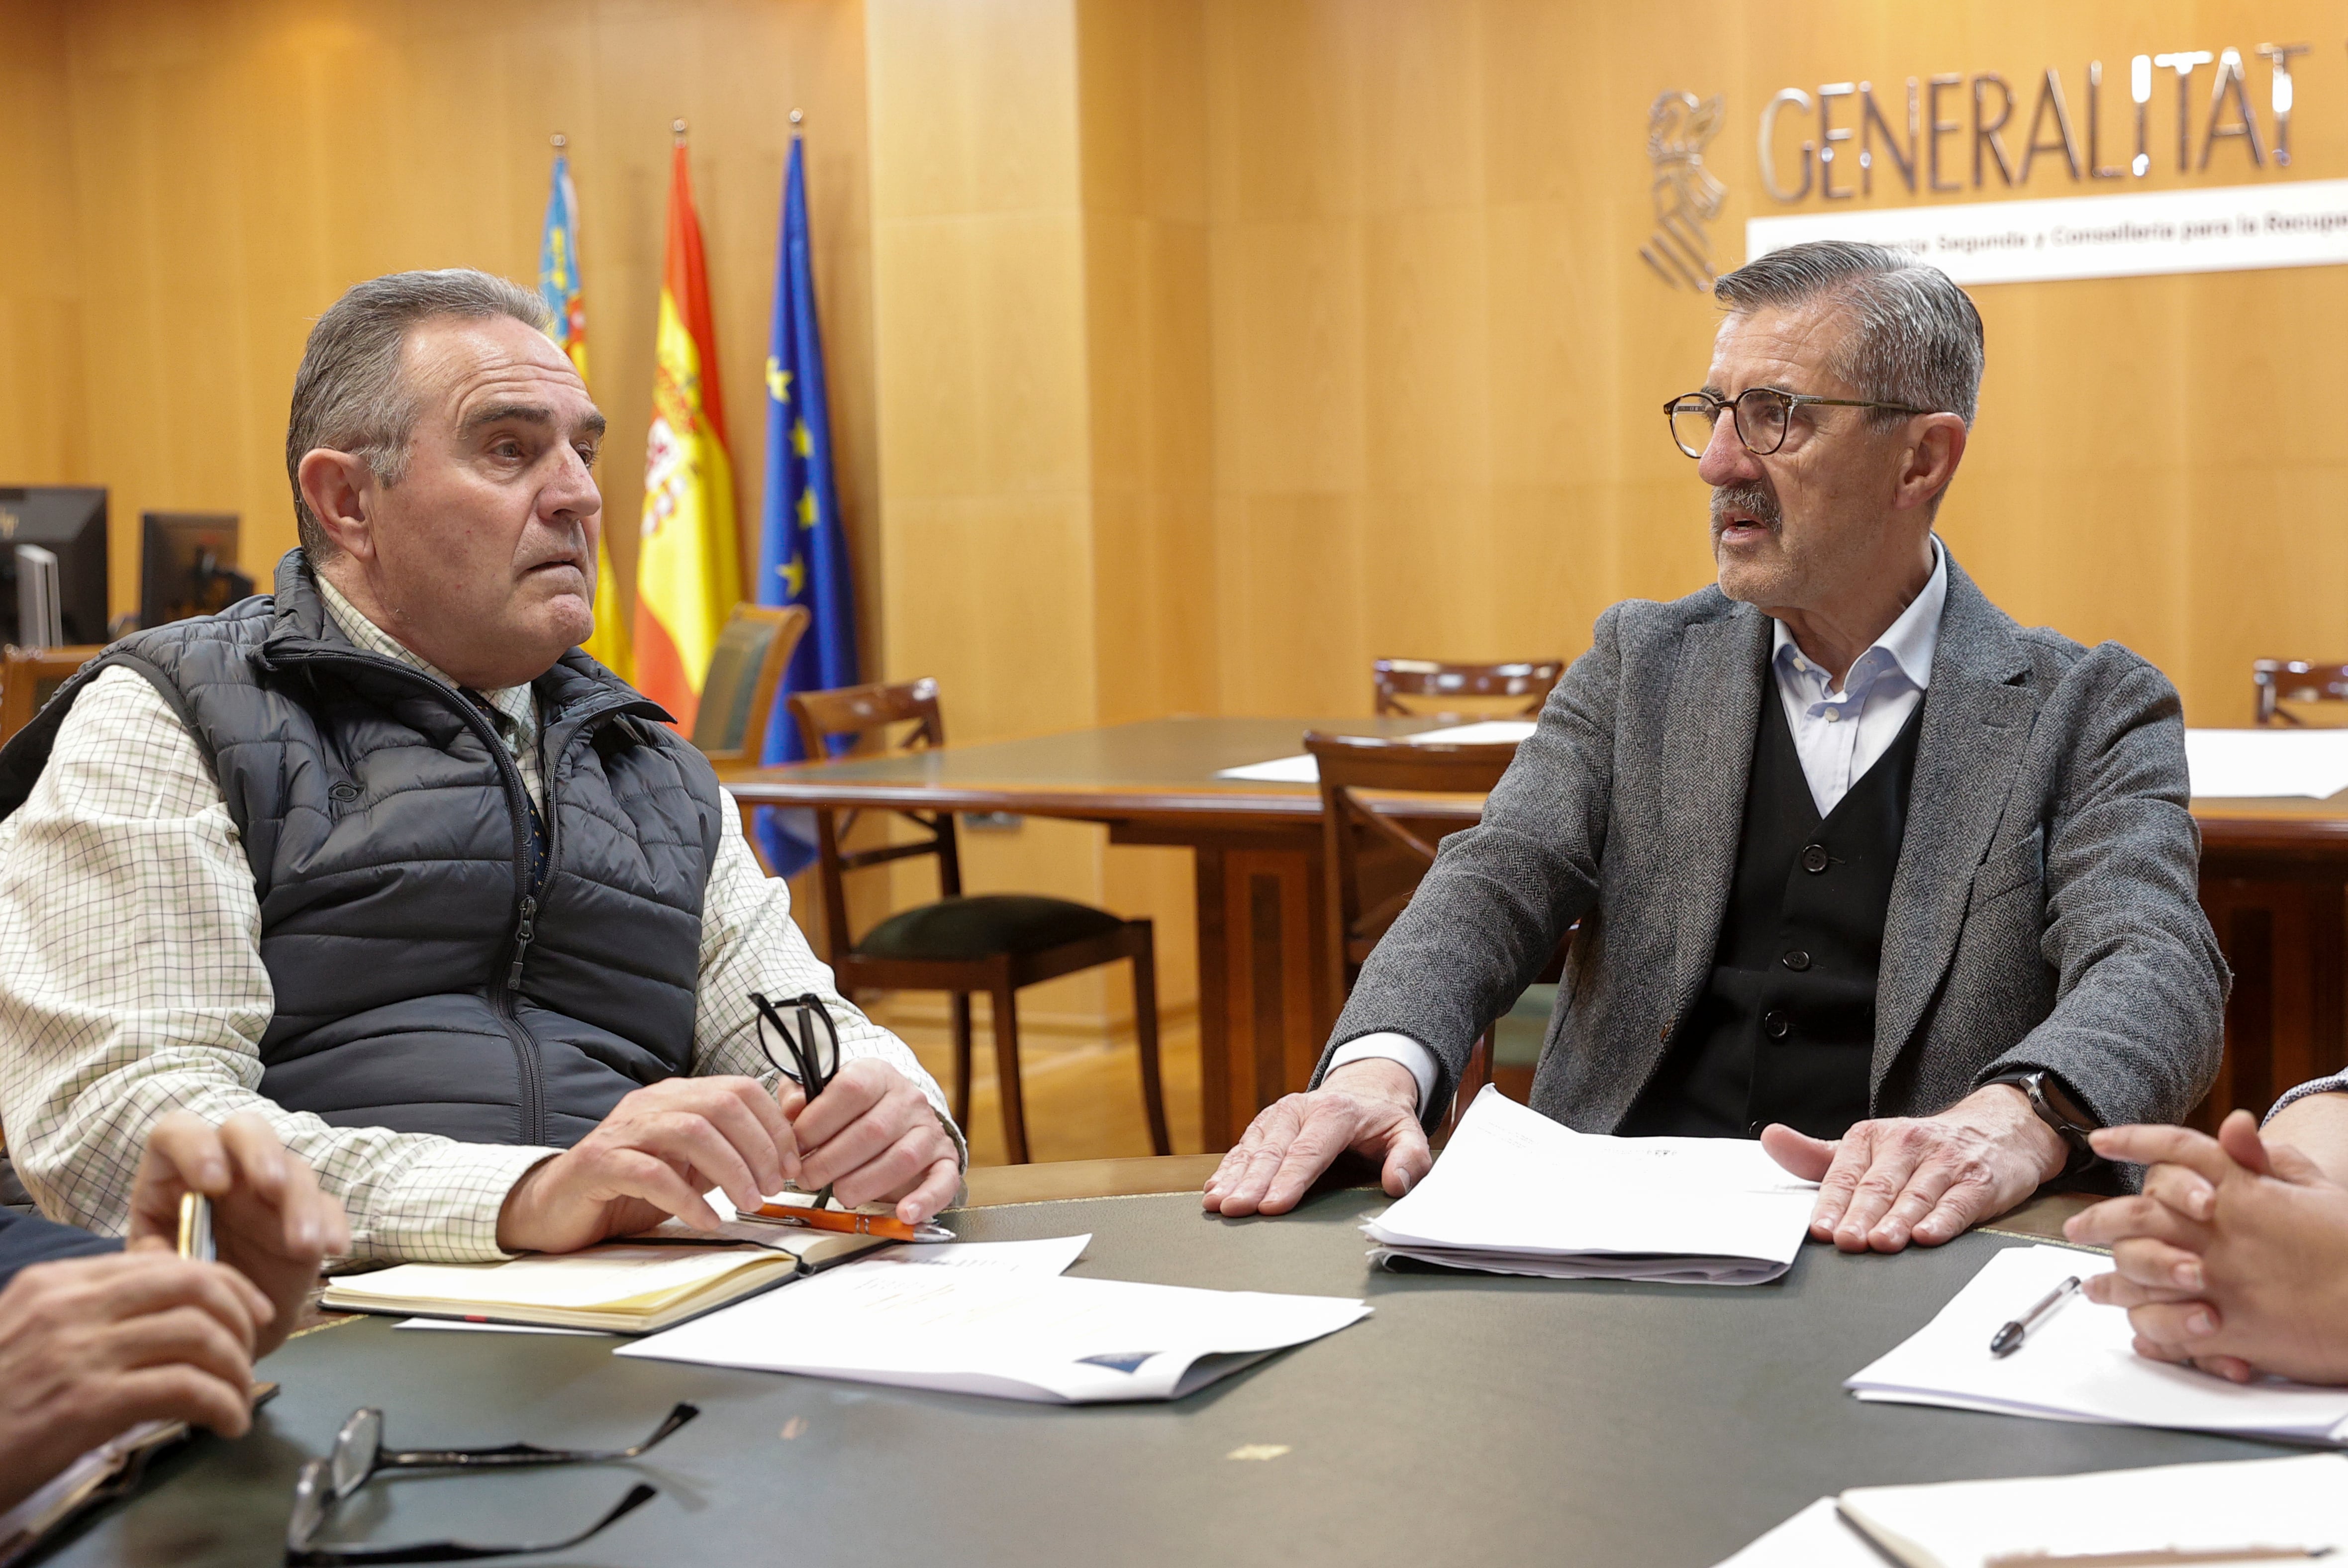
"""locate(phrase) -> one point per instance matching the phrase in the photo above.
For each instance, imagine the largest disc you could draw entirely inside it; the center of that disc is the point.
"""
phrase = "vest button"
(1797, 960)
(1776, 1025)
(1752, 1129)
(1815, 859)
(345, 792)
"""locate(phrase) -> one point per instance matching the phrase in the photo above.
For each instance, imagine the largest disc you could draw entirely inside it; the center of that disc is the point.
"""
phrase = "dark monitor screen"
(187, 565)
(69, 519)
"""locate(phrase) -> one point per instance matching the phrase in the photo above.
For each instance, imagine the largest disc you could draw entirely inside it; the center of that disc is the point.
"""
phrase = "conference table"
(1471, 1419)
(2274, 879)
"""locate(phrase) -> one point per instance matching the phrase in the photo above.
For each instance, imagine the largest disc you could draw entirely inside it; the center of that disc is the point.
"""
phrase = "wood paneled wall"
(189, 183)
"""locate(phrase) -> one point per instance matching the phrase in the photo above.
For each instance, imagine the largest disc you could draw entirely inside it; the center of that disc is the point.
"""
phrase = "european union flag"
(802, 552)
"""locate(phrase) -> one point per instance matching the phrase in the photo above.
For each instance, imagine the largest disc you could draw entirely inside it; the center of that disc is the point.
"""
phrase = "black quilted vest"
(1786, 1029)
(421, 983)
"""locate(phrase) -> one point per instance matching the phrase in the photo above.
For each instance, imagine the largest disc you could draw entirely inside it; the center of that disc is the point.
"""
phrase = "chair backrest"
(30, 677)
(737, 692)
(1429, 680)
(2278, 681)
(1371, 860)
(863, 712)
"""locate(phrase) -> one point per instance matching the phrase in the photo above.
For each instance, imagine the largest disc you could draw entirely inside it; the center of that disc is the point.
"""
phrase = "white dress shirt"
(131, 981)
(1838, 734)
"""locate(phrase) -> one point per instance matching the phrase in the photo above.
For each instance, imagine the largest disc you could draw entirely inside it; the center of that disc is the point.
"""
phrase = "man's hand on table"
(1370, 1107)
(2234, 1258)
(872, 1134)
(1922, 1178)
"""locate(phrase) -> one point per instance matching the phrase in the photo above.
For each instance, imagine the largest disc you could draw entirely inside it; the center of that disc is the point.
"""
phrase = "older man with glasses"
(1864, 869)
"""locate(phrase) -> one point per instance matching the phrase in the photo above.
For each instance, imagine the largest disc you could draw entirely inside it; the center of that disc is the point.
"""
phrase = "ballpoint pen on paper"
(2007, 1339)
(196, 1228)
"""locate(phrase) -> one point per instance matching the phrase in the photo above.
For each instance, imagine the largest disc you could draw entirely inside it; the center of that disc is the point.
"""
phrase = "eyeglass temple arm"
(530, 1453)
(462, 1551)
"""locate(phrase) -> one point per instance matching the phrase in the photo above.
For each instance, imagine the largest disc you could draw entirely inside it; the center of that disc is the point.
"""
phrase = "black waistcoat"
(1786, 1028)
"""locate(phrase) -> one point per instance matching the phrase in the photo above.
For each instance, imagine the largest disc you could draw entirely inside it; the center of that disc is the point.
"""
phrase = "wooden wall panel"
(1438, 357)
(233, 164)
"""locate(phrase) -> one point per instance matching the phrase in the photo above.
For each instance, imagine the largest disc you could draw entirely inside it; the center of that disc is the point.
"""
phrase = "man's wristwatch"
(2055, 1107)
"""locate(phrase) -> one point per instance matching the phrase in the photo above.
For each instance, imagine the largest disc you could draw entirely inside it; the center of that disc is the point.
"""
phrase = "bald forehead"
(1790, 349)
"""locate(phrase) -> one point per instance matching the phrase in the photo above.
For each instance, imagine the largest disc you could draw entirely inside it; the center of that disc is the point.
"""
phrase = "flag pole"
(677, 128)
(560, 141)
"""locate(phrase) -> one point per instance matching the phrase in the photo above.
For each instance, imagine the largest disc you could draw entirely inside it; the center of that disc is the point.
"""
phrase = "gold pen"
(196, 1228)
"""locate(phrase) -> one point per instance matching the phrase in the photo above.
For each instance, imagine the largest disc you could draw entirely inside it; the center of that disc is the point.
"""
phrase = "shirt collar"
(1909, 643)
(518, 704)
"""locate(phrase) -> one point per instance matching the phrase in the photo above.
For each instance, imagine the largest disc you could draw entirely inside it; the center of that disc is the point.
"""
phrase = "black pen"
(2004, 1341)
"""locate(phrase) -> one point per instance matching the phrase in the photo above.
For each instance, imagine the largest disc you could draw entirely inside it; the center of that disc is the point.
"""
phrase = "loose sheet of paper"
(2201, 1512)
(2077, 1364)
(1008, 1333)
(1815, 1538)
(1302, 769)
(2267, 762)
(1516, 1193)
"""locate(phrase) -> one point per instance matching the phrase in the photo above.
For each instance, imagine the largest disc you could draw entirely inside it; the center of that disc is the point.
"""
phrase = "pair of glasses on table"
(359, 1454)
(811, 1042)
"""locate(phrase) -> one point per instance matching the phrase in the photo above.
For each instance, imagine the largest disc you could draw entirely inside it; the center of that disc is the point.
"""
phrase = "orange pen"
(846, 1221)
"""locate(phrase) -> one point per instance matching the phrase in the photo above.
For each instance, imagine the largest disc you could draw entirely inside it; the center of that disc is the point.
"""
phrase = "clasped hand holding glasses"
(358, 1454)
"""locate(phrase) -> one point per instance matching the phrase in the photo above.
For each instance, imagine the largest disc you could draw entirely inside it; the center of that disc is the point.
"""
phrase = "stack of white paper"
(1009, 1332)
(2077, 1365)
(2267, 762)
(2241, 1510)
(1515, 1192)
(1302, 769)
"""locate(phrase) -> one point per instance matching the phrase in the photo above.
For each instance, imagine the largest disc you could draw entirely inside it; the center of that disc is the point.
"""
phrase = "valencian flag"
(688, 574)
(802, 550)
(559, 286)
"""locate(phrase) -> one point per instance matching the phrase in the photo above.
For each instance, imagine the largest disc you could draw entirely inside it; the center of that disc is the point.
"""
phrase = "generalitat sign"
(2228, 229)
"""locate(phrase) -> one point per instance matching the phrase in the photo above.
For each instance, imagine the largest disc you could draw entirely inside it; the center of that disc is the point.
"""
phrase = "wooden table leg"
(1264, 1007)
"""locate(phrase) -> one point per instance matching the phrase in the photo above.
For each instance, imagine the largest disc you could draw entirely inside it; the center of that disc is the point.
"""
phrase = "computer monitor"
(69, 522)
(187, 565)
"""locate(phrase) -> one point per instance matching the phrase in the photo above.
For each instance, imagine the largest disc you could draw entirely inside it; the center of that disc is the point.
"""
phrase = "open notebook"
(1515, 1192)
(620, 1289)
(2242, 1511)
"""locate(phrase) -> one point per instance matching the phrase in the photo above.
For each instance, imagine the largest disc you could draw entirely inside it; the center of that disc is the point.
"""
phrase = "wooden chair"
(1393, 680)
(737, 691)
(30, 677)
(2278, 681)
(996, 942)
(1372, 860)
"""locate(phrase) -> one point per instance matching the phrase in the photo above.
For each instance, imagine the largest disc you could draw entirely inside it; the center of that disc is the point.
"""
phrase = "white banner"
(2230, 229)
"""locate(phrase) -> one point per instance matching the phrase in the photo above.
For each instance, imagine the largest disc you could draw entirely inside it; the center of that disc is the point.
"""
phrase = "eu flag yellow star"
(807, 507)
(800, 442)
(779, 380)
(794, 574)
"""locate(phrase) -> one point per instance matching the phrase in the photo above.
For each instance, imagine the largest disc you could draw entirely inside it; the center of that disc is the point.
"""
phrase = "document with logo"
(2076, 1364)
(1010, 1334)
(1515, 1192)
(2241, 1510)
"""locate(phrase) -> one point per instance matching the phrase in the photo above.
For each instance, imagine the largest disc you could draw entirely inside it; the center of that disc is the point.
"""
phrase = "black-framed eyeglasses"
(1762, 416)
(359, 1454)
(813, 1061)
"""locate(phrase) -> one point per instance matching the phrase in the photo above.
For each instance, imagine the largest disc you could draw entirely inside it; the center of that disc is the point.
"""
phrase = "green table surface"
(1471, 1419)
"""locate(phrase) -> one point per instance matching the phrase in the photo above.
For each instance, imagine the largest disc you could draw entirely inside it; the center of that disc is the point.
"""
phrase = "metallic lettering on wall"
(1935, 141)
(1686, 194)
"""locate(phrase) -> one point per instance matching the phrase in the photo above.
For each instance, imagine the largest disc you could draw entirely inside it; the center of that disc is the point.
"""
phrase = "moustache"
(1753, 499)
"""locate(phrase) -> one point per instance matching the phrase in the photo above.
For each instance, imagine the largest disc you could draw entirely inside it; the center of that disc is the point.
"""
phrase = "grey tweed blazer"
(2043, 914)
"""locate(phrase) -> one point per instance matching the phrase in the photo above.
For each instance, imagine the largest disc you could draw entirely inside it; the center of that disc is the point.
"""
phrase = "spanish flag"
(688, 568)
(566, 302)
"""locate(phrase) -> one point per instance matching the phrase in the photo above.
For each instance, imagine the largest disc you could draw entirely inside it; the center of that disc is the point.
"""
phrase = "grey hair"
(349, 395)
(1915, 338)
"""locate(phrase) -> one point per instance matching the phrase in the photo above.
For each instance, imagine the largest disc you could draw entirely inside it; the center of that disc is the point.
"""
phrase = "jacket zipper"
(532, 1081)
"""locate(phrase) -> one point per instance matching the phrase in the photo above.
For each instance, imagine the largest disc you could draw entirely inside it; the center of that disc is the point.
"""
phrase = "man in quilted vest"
(384, 858)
